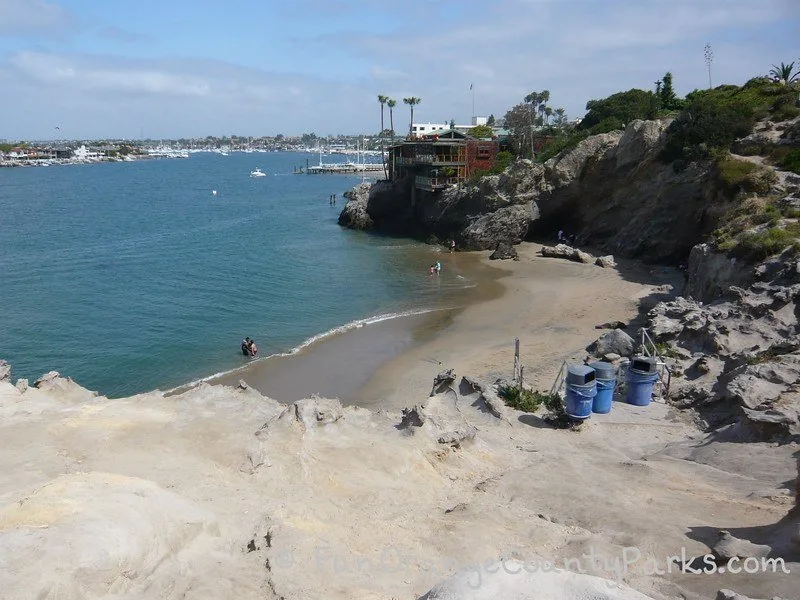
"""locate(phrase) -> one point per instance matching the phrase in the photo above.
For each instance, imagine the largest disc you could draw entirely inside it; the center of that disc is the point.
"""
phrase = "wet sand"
(340, 366)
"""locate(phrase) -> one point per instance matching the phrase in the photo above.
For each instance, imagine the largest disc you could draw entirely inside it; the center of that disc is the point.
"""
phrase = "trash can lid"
(643, 364)
(580, 374)
(603, 369)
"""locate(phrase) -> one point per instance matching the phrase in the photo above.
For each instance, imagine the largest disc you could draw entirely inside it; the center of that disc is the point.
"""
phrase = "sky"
(190, 68)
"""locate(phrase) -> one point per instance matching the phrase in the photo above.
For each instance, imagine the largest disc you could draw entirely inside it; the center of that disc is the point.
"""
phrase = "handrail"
(559, 381)
(649, 349)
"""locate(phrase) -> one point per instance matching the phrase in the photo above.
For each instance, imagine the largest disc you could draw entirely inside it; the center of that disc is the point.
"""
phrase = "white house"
(83, 153)
(421, 129)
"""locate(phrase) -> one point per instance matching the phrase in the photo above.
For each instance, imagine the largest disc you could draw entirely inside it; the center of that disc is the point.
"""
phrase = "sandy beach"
(221, 492)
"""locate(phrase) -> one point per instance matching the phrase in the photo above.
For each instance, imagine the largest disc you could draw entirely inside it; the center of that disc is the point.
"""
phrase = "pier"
(340, 168)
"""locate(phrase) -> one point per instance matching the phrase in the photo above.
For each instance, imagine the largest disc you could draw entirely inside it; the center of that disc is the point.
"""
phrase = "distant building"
(441, 159)
(422, 129)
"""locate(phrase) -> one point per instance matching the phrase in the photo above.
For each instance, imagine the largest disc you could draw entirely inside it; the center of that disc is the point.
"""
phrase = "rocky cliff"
(611, 188)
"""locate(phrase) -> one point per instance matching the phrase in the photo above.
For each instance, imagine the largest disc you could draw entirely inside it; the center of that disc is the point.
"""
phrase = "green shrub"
(501, 162)
(791, 161)
(529, 401)
(717, 117)
(559, 144)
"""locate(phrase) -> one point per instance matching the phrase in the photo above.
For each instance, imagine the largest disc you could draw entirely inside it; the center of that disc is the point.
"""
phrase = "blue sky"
(170, 68)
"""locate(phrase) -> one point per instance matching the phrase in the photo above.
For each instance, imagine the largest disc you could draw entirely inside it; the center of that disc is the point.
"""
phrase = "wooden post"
(516, 360)
(521, 376)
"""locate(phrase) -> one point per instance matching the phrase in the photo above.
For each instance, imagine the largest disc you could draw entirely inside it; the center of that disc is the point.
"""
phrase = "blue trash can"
(640, 379)
(581, 390)
(606, 382)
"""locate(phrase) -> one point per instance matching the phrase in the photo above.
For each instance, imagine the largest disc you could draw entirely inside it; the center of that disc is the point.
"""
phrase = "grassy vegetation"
(743, 176)
(666, 351)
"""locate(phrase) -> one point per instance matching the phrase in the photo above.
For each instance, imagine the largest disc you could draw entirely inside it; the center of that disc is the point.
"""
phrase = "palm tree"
(412, 102)
(548, 112)
(390, 103)
(382, 99)
(784, 72)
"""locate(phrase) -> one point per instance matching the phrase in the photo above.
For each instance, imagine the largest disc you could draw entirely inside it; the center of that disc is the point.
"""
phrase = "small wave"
(357, 324)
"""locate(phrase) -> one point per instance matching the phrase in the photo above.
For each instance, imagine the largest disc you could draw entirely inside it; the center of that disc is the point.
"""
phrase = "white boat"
(257, 173)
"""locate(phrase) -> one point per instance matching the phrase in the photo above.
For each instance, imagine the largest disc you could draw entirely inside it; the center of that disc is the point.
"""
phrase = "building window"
(484, 152)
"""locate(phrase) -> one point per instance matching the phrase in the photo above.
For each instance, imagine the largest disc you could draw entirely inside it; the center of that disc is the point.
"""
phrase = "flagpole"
(473, 100)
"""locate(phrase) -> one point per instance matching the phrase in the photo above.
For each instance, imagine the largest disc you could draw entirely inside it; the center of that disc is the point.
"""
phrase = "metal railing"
(649, 349)
(435, 182)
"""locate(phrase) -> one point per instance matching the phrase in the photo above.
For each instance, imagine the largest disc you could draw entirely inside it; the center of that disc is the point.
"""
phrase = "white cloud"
(578, 49)
(33, 17)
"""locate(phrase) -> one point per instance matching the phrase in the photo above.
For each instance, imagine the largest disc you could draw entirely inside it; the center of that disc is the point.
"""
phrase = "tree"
(382, 99)
(412, 101)
(481, 131)
(666, 94)
(279, 137)
(785, 72)
(620, 108)
(561, 117)
(518, 122)
(390, 102)
(490, 121)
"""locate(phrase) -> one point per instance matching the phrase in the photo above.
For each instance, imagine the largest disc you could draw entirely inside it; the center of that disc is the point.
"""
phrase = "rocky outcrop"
(504, 251)
(711, 273)
(354, 215)
(738, 359)
(5, 371)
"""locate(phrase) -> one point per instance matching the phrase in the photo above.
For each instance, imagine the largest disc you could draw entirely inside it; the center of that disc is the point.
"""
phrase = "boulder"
(5, 371)
(504, 251)
(611, 325)
(567, 252)
(613, 342)
(728, 547)
(606, 262)
(22, 385)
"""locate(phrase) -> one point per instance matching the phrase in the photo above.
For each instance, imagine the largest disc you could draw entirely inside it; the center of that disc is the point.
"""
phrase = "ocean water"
(129, 277)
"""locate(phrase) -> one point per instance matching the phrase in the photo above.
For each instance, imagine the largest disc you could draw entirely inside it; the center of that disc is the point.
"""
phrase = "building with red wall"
(439, 160)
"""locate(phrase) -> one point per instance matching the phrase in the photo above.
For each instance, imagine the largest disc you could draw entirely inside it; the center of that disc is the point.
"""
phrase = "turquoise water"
(129, 277)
